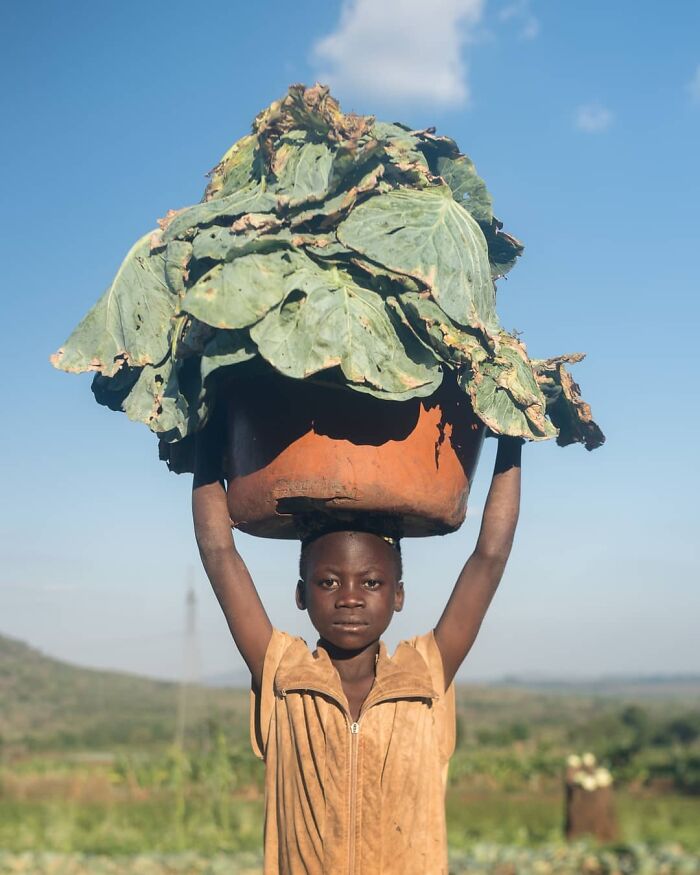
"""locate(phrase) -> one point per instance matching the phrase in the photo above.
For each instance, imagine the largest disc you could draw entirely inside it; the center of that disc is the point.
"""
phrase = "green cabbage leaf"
(329, 247)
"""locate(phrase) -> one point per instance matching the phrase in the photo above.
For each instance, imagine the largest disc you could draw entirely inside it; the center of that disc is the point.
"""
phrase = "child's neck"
(353, 665)
(356, 669)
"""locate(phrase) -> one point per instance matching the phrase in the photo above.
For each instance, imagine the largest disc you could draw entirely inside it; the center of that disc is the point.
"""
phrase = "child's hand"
(212, 525)
(459, 624)
(226, 570)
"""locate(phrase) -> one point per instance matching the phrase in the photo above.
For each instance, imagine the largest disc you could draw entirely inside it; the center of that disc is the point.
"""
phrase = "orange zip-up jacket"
(354, 798)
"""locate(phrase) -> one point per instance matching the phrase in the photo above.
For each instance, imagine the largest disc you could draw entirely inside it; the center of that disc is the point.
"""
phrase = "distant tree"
(460, 733)
(637, 720)
(502, 736)
(519, 732)
(680, 730)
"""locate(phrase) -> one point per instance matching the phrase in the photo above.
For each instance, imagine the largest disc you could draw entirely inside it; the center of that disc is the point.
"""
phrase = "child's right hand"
(226, 570)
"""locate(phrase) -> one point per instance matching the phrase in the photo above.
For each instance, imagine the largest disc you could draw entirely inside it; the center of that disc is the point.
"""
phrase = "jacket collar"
(401, 676)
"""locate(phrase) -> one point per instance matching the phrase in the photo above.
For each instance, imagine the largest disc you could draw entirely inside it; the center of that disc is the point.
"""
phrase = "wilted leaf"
(455, 346)
(401, 148)
(236, 169)
(505, 394)
(156, 400)
(129, 324)
(430, 237)
(249, 200)
(467, 187)
(353, 157)
(223, 350)
(470, 190)
(193, 337)
(323, 246)
(498, 379)
(330, 212)
(504, 249)
(238, 293)
(436, 146)
(312, 110)
(224, 244)
(111, 391)
(331, 321)
(177, 258)
(305, 176)
(226, 348)
(567, 410)
(386, 281)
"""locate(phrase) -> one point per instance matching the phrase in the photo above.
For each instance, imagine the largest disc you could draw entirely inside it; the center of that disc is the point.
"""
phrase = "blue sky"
(584, 119)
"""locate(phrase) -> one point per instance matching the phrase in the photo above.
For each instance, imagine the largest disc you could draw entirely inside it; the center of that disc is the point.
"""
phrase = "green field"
(89, 772)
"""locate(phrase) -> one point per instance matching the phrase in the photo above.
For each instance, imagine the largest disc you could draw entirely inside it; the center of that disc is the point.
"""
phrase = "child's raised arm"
(459, 624)
(226, 570)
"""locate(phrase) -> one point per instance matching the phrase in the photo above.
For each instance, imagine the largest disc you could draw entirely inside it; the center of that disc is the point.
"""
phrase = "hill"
(50, 704)
(47, 703)
(624, 686)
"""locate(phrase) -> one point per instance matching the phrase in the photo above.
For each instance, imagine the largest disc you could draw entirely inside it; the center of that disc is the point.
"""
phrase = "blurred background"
(584, 120)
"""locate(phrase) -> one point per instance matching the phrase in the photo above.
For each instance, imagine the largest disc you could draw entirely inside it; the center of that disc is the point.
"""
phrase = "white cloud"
(530, 29)
(593, 118)
(520, 13)
(694, 86)
(394, 50)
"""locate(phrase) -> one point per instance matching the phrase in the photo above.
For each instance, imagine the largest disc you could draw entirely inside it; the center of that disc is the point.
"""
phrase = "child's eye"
(328, 583)
(373, 584)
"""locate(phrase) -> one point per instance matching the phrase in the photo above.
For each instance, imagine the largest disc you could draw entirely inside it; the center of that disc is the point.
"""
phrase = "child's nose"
(350, 596)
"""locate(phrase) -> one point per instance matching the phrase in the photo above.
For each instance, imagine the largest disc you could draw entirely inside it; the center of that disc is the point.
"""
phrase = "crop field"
(92, 782)
(579, 859)
(497, 860)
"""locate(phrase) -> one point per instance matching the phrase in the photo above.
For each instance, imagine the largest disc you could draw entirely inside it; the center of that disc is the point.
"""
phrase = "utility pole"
(189, 684)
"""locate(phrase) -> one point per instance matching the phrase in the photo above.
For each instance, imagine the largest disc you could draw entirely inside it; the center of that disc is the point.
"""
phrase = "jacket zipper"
(354, 744)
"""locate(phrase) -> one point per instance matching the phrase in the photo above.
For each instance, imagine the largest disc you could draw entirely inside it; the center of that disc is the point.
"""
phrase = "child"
(356, 743)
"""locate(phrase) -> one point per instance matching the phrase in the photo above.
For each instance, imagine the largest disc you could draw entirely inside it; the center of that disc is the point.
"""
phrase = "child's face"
(350, 588)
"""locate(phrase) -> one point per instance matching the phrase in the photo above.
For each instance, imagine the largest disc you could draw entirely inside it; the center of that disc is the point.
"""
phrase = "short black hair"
(308, 541)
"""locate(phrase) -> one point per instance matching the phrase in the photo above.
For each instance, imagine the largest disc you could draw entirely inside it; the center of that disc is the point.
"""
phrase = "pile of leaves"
(330, 247)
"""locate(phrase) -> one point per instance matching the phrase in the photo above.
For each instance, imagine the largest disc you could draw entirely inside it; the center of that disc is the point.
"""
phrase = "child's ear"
(300, 595)
(399, 596)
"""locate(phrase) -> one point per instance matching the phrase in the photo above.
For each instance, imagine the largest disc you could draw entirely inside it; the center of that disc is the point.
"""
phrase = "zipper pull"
(354, 728)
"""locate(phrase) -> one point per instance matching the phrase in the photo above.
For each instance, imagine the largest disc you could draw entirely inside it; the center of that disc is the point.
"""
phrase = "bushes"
(504, 735)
